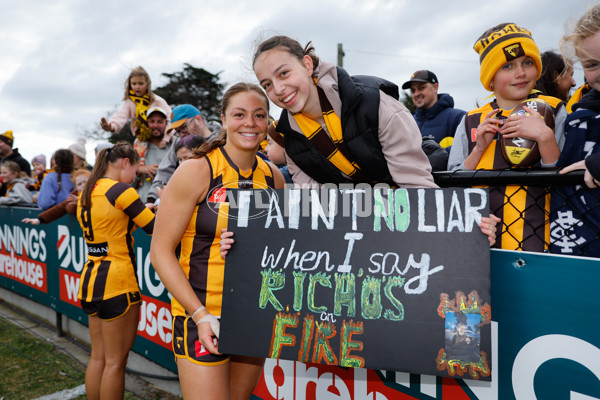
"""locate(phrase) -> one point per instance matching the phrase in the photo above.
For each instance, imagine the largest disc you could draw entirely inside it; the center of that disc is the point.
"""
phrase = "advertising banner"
(545, 340)
(44, 263)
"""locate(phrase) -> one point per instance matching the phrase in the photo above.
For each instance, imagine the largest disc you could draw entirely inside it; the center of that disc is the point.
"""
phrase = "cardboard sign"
(394, 279)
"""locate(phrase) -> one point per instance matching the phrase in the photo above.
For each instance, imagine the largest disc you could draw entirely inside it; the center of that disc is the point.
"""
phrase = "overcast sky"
(64, 61)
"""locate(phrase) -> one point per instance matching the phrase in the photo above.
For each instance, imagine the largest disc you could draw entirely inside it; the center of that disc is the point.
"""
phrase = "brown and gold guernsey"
(107, 227)
(524, 210)
(200, 255)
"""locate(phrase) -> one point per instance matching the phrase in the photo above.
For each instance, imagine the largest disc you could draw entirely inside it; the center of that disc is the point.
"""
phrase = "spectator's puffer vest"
(360, 131)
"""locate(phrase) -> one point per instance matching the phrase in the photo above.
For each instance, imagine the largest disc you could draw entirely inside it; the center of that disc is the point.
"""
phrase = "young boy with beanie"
(510, 66)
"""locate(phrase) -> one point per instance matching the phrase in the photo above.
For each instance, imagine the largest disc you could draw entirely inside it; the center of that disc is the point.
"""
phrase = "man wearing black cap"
(7, 153)
(435, 113)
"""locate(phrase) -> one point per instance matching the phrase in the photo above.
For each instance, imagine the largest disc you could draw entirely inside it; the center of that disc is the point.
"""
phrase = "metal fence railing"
(554, 213)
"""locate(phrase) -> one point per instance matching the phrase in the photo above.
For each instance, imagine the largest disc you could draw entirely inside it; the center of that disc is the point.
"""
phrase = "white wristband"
(197, 311)
(215, 325)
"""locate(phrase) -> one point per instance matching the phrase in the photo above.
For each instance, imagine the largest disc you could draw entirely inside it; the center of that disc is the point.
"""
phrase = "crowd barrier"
(571, 211)
(545, 320)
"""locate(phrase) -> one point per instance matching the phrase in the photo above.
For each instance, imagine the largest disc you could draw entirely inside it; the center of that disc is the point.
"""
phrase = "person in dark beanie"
(435, 113)
(7, 153)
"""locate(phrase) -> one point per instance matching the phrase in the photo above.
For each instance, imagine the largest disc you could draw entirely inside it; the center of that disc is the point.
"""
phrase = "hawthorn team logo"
(513, 51)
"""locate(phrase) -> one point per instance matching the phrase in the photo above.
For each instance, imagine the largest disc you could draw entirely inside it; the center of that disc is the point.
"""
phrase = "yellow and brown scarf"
(141, 120)
(332, 146)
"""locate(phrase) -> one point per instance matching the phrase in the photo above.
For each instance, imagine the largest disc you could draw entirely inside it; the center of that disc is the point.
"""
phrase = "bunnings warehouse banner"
(44, 262)
(545, 323)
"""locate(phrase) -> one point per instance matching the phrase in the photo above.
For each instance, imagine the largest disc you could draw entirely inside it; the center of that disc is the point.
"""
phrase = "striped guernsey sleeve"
(124, 197)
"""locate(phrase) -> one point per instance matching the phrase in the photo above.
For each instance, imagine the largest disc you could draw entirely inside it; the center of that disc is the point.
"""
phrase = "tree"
(194, 86)
(407, 100)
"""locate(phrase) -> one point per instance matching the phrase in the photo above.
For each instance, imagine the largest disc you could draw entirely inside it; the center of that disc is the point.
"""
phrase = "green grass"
(30, 367)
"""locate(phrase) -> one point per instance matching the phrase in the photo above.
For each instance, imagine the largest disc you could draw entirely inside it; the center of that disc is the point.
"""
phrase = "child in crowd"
(79, 178)
(39, 171)
(108, 210)
(582, 143)
(510, 66)
(16, 187)
(557, 76)
(57, 184)
(138, 99)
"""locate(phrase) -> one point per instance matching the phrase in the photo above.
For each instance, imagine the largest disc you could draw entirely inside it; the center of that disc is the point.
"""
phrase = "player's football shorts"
(111, 308)
(187, 345)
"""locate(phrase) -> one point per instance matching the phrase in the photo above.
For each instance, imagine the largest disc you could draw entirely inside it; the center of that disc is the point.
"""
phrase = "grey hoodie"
(17, 193)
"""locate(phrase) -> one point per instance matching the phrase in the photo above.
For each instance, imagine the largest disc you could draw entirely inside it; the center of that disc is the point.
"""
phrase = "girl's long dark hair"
(553, 68)
(103, 159)
(63, 164)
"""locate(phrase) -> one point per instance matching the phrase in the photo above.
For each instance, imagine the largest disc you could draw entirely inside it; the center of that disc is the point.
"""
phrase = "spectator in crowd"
(378, 141)
(577, 95)
(8, 153)
(16, 191)
(384, 143)
(151, 153)
(435, 113)
(39, 166)
(184, 149)
(436, 154)
(138, 98)
(582, 145)
(109, 209)
(185, 120)
(79, 178)
(511, 76)
(557, 77)
(196, 303)
(79, 154)
(37, 174)
(591, 166)
(57, 184)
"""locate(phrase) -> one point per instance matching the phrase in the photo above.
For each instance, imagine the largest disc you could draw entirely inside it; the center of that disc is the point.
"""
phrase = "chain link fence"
(540, 210)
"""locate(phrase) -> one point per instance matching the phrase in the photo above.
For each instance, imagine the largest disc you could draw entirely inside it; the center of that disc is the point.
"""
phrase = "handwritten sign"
(394, 279)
